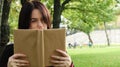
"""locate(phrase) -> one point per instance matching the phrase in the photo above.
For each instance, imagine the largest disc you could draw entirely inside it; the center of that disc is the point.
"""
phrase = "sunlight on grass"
(96, 57)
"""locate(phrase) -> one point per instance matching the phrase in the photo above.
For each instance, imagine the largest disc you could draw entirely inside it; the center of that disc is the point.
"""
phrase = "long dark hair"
(26, 11)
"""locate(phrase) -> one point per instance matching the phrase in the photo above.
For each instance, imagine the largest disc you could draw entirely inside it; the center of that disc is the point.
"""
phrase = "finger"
(60, 58)
(62, 52)
(57, 62)
(21, 61)
(19, 56)
(21, 65)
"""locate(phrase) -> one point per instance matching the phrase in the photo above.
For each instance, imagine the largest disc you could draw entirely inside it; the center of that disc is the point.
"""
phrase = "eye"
(33, 20)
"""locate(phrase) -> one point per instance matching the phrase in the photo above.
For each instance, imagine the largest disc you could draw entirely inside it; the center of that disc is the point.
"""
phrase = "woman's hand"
(18, 60)
(61, 61)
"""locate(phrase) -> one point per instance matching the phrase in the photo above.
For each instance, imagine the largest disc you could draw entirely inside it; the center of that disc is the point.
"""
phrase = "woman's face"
(37, 21)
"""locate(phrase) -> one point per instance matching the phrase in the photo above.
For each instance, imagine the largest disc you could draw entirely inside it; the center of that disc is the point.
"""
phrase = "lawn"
(96, 57)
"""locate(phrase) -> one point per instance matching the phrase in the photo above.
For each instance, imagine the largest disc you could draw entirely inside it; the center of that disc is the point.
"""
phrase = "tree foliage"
(13, 17)
(88, 13)
(82, 15)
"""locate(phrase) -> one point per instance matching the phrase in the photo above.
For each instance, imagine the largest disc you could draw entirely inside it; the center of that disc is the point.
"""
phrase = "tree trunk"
(1, 7)
(4, 27)
(4, 23)
(58, 9)
(108, 41)
(90, 39)
(57, 14)
(23, 1)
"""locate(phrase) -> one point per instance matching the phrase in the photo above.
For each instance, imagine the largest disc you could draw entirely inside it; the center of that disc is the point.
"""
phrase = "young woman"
(34, 15)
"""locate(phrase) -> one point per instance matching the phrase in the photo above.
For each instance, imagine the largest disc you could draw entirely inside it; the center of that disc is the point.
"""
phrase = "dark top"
(8, 51)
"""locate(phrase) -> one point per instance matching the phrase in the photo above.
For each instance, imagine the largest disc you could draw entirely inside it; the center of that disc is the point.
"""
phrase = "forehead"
(36, 14)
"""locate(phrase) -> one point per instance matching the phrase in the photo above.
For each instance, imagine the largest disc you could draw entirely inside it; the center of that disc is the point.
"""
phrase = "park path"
(98, 37)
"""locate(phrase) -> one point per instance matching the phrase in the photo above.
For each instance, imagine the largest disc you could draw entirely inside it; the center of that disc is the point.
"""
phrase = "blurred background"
(93, 21)
(88, 23)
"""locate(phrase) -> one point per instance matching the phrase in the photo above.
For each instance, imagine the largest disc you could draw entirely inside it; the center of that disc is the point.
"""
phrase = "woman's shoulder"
(9, 46)
(9, 50)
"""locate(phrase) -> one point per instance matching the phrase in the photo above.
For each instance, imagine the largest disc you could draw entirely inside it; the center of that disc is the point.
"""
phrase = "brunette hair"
(26, 11)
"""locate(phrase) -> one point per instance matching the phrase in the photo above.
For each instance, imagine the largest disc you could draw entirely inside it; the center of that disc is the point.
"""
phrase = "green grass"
(96, 57)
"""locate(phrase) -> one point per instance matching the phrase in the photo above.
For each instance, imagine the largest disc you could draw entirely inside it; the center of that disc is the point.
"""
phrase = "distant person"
(70, 45)
(75, 44)
(90, 44)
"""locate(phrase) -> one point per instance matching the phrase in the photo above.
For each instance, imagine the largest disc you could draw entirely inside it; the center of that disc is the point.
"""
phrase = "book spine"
(43, 52)
(40, 49)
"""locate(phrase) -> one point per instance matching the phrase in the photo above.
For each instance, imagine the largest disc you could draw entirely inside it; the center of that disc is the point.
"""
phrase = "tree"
(107, 37)
(90, 13)
(1, 6)
(23, 1)
(14, 16)
(85, 18)
(58, 9)
(107, 14)
(4, 27)
(4, 22)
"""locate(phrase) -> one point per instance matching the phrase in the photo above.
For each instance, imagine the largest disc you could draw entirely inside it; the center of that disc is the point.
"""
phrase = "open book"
(39, 45)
